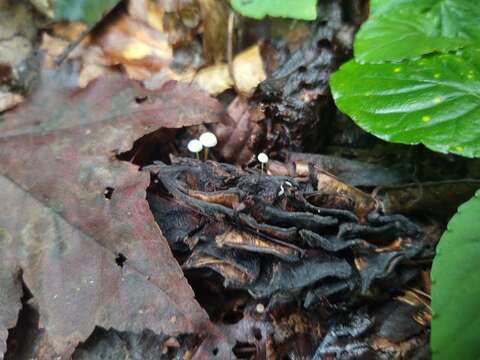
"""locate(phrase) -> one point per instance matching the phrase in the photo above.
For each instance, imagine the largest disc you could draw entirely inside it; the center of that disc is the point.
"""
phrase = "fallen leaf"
(333, 193)
(10, 303)
(9, 100)
(440, 198)
(140, 49)
(352, 172)
(18, 33)
(78, 228)
(260, 234)
(136, 40)
(247, 69)
(240, 132)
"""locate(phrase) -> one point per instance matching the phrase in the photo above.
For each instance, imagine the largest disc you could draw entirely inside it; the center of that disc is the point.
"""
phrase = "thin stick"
(231, 72)
(73, 45)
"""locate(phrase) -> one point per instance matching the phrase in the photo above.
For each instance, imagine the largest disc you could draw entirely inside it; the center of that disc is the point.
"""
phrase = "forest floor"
(117, 242)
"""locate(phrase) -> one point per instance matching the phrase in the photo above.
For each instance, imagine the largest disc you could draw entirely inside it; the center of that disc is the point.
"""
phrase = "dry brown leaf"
(135, 40)
(17, 36)
(140, 49)
(9, 100)
(247, 68)
(334, 193)
(238, 134)
(74, 208)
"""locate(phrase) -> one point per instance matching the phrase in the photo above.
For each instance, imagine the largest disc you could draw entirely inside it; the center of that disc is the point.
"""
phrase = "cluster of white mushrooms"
(208, 140)
(205, 141)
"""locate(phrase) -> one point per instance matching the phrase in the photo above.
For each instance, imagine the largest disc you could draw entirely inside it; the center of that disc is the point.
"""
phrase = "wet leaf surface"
(422, 102)
(454, 289)
(80, 233)
(300, 9)
(440, 198)
(88, 11)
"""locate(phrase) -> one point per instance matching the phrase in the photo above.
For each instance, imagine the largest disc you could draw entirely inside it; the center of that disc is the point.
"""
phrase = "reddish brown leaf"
(10, 294)
(75, 218)
(239, 133)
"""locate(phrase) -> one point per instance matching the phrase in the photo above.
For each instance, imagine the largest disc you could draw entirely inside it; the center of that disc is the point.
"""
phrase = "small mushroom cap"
(194, 146)
(262, 157)
(260, 308)
(208, 139)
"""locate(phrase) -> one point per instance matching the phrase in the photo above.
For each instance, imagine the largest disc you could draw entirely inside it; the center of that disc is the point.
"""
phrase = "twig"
(231, 72)
(74, 44)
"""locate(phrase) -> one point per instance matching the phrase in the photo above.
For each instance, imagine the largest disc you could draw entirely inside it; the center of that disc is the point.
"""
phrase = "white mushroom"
(195, 146)
(208, 140)
(260, 308)
(263, 159)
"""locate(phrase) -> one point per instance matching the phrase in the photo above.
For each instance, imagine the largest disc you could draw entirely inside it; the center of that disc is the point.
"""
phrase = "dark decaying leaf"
(386, 331)
(240, 132)
(27, 340)
(261, 234)
(292, 108)
(334, 193)
(76, 227)
(10, 297)
(114, 345)
(352, 172)
(440, 198)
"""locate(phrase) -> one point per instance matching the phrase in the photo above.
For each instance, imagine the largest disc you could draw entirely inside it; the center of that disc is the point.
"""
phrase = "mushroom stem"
(195, 146)
(262, 159)
(208, 140)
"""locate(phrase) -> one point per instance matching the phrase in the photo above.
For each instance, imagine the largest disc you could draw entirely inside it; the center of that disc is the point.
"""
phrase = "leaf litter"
(318, 257)
(77, 221)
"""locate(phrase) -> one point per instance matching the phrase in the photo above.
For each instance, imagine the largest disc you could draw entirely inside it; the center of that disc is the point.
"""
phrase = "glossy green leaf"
(456, 287)
(294, 9)
(399, 35)
(87, 11)
(434, 101)
(384, 6)
(405, 29)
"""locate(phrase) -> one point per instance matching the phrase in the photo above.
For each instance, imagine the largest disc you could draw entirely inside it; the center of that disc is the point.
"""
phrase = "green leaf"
(434, 101)
(384, 6)
(87, 11)
(399, 35)
(456, 287)
(405, 29)
(295, 9)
